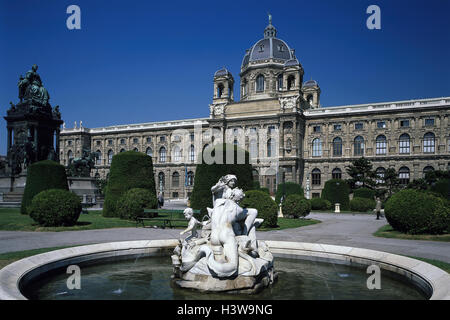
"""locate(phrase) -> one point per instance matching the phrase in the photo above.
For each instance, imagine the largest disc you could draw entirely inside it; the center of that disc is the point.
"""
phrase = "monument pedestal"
(85, 188)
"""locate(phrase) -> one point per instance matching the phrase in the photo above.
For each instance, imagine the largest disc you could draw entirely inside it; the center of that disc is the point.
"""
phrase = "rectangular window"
(174, 194)
(429, 122)
(289, 169)
(381, 124)
(316, 195)
(271, 129)
(316, 128)
(110, 142)
(162, 138)
(122, 141)
(135, 140)
(359, 126)
(192, 137)
(404, 123)
(149, 139)
(97, 142)
(337, 127)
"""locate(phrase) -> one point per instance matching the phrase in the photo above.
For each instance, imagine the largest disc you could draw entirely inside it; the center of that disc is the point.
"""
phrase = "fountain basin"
(434, 282)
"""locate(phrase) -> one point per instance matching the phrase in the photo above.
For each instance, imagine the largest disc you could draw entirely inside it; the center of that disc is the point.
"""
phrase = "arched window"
(219, 90)
(429, 142)
(70, 156)
(161, 181)
(379, 173)
(136, 149)
(260, 83)
(99, 158)
(280, 82)
(162, 155)
(253, 149)
(290, 82)
(403, 175)
(427, 169)
(315, 177)
(192, 153)
(122, 150)
(270, 148)
(336, 173)
(177, 153)
(175, 179)
(358, 146)
(110, 156)
(381, 145)
(149, 152)
(337, 147)
(310, 99)
(404, 144)
(190, 178)
(317, 147)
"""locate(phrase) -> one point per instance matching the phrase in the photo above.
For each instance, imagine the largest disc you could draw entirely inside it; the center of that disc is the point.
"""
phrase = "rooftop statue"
(227, 256)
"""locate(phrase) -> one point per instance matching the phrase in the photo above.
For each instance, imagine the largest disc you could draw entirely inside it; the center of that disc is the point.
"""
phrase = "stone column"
(57, 133)
(9, 138)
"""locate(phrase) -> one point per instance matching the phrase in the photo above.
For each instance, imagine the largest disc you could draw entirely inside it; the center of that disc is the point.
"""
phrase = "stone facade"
(279, 120)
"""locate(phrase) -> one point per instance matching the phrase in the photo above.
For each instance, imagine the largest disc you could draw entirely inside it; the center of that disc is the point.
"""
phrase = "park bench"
(169, 218)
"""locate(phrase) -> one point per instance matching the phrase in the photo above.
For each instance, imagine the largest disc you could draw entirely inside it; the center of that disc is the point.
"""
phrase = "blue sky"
(141, 61)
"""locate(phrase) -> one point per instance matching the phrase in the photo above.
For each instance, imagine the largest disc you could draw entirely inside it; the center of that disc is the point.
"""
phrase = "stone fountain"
(225, 256)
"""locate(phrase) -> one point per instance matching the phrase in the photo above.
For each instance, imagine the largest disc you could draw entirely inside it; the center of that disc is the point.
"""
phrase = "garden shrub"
(134, 201)
(442, 187)
(207, 175)
(129, 170)
(288, 188)
(296, 206)
(320, 204)
(261, 201)
(414, 212)
(362, 204)
(364, 193)
(266, 190)
(55, 207)
(43, 175)
(337, 191)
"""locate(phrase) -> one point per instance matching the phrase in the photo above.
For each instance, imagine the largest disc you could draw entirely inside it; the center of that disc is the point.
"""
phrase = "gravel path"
(339, 229)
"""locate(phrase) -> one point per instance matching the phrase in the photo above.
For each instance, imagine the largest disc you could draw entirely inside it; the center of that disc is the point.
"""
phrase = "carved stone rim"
(425, 275)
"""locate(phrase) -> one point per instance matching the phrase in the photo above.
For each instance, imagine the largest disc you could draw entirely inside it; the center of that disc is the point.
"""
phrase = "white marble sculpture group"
(226, 256)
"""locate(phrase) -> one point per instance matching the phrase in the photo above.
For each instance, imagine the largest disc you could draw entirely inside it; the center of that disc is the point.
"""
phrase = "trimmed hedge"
(296, 206)
(133, 202)
(414, 212)
(55, 208)
(364, 193)
(129, 170)
(362, 204)
(289, 188)
(320, 204)
(261, 201)
(337, 191)
(207, 175)
(43, 175)
(442, 186)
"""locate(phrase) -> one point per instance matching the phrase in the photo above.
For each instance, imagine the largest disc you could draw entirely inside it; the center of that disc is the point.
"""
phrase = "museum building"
(279, 120)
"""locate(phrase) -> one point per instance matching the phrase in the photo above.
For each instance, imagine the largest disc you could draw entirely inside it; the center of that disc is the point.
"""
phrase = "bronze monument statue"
(33, 124)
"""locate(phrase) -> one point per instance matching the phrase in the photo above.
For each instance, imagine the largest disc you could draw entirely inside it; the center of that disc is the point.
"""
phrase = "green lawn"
(388, 232)
(284, 223)
(12, 220)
